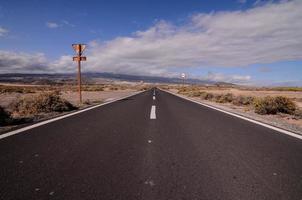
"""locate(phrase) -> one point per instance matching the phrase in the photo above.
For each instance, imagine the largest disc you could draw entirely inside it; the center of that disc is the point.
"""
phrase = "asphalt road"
(117, 152)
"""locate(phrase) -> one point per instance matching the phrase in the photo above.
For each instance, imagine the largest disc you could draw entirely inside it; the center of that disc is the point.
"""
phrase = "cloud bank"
(265, 34)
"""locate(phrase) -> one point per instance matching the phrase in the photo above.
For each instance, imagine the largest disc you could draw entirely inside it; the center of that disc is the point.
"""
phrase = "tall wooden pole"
(79, 48)
(79, 79)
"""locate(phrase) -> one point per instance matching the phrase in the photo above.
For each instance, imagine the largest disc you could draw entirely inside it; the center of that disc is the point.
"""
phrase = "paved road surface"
(117, 152)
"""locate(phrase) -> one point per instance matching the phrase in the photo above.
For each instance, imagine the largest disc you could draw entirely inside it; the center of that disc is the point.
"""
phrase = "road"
(123, 151)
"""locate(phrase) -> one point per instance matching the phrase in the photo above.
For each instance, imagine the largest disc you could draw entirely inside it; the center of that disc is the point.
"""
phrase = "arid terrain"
(26, 103)
(17, 99)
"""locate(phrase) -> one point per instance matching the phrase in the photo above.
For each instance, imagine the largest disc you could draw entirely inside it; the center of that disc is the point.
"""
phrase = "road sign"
(183, 76)
(79, 58)
(79, 48)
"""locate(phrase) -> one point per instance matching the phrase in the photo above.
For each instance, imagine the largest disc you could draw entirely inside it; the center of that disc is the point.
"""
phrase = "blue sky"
(220, 40)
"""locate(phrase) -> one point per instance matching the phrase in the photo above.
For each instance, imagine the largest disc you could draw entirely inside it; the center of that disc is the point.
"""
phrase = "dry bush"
(224, 98)
(285, 105)
(182, 90)
(273, 105)
(298, 113)
(113, 88)
(196, 93)
(4, 117)
(243, 100)
(291, 89)
(265, 105)
(43, 103)
(93, 88)
(207, 96)
(188, 90)
(15, 89)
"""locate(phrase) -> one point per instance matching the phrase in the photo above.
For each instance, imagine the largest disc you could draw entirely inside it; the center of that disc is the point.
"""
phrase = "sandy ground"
(98, 96)
(296, 96)
(92, 97)
(283, 121)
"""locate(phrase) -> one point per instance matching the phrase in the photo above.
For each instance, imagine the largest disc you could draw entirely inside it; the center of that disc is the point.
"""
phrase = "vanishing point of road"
(151, 146)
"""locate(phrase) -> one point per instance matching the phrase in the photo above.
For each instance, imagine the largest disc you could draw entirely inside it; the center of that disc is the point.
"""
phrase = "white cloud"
(218, 77)
(11, 62)
(3, 31)
(264, 34)
(52, 25)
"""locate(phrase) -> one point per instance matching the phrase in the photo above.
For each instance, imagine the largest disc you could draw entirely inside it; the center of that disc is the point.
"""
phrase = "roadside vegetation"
(47, 102)
(28, 89)
(260, 105)
(25, 102)
(26, 109)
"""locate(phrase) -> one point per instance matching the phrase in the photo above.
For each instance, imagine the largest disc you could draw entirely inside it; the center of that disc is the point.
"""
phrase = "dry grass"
(295, 94)
(43, 103)
(274, 105)
(261, 104)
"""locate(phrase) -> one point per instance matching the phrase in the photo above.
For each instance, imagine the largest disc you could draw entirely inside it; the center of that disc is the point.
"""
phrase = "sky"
(253, 42)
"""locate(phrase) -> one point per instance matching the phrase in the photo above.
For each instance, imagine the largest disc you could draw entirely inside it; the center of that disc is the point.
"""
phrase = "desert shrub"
(113, 87)
(265, 105)
(292, 89)
(224, 98)
(273, 105)
(4, 116)
(298, 113)
(196, 93)
(188, 90)
(285, 105)
(207, 96)
(16, 89)
(182, 90)
(243, 100)
(43, 103)
(93, 88)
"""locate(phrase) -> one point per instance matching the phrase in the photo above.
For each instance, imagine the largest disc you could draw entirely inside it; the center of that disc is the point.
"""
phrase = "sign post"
(183, 76)
(79, 48)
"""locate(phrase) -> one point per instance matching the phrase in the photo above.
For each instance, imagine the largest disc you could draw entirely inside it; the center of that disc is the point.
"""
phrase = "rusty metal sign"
(79, 58)
(79, 48)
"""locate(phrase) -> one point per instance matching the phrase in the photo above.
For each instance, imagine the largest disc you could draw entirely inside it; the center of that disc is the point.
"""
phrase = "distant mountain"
(50, 78)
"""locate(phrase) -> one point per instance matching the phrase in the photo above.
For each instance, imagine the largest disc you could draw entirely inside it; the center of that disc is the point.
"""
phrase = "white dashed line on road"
(153, 97)
(152, 113)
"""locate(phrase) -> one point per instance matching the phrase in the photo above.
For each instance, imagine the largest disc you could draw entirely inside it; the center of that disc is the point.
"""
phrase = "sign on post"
(79, 48)
(183, 76)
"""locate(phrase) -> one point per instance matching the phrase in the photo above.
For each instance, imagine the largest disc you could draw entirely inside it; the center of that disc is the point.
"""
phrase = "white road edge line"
(296, 135)
(152, 113)
(61, 117)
